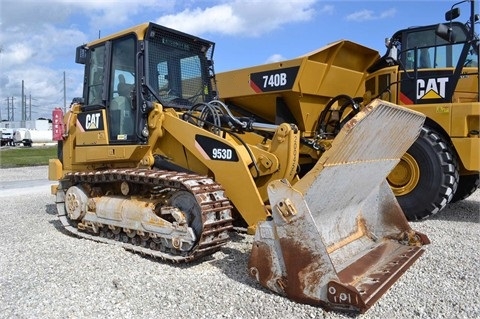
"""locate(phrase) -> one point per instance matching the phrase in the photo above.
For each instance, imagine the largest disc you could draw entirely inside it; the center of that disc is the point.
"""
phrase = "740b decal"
(274, 80)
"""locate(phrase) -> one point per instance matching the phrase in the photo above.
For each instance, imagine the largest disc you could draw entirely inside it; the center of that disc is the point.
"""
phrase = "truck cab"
(434, 70)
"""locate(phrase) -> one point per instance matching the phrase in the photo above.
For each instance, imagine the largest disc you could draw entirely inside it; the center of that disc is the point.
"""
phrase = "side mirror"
(452, 14)
(81, 54)
(446, 33)
(393, 53)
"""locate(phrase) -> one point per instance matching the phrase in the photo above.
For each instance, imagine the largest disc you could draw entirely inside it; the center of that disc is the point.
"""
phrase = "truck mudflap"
(338, 237)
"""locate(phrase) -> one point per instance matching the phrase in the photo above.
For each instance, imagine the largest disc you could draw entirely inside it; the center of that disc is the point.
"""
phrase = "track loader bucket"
(338, 238)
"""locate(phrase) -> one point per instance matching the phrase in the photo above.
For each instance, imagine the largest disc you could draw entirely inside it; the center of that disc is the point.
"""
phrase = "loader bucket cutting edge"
(338, 237)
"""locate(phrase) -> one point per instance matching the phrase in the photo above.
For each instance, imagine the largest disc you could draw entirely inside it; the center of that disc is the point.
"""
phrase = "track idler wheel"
(76, 201)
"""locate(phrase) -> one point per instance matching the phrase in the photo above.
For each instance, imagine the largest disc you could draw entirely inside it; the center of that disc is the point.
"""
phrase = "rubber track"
(208, 193)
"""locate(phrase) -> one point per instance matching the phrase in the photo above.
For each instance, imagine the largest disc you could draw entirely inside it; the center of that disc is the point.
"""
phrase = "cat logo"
(434, 88)
(92, 121)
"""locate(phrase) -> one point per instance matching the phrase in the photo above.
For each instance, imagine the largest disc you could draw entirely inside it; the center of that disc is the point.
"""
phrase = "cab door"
(121, 115)
(108, 115)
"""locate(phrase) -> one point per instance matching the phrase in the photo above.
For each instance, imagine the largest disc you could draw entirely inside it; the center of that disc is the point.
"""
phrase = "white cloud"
(38, 38)
(366, 15)
(37, 57)
(215, 19)
(15, 54)
(388, 13)
(240, 17)
(275, 58)
(38, 41)
(101, 14)
(362, 15)
(113, 13)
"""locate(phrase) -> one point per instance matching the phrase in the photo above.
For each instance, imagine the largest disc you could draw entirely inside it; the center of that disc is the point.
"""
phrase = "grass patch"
(26, 156)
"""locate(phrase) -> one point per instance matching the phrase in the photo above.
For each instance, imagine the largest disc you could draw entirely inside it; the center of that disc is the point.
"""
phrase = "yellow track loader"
(151, 160)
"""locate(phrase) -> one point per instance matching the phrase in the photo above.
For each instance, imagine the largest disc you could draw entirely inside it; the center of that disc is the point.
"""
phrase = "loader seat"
(425, 62)
(123, 88)
(121, 113)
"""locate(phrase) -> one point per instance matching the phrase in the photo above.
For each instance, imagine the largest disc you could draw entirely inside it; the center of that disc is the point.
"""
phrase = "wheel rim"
(405, 176)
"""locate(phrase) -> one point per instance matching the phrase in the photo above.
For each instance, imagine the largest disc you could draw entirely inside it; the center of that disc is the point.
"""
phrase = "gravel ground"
(45, 273)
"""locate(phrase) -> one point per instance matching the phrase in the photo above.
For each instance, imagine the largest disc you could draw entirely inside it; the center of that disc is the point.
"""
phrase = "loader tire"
(467, 185)
(426, 177)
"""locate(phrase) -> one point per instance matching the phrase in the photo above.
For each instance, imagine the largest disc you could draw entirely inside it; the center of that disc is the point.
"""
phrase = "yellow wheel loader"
(151, 160)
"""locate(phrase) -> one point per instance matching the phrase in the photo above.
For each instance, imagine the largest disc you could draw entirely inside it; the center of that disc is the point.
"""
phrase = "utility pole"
(23, 101)
(30, 108)
(12, 118)
(8, 108)
(23, 105)
(64, 94)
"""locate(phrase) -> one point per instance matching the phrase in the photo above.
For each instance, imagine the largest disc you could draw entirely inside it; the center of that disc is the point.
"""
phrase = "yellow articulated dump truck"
(430, 69)
(151, 160)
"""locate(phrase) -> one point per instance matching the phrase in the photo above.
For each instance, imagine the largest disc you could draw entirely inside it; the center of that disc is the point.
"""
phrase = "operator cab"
(127, 72)
(425, 48)
(443, 52)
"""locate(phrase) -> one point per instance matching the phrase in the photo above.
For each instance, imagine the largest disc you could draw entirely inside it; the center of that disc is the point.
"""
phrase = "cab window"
(95, 80)
(423, 49)
(122, 90)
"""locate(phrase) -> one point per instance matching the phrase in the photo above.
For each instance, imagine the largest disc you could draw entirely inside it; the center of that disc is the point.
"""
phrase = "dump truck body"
(296, 90)
(150, 161)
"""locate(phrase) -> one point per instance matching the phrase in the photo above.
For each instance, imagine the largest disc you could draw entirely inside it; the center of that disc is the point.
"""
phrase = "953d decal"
(215, 150)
